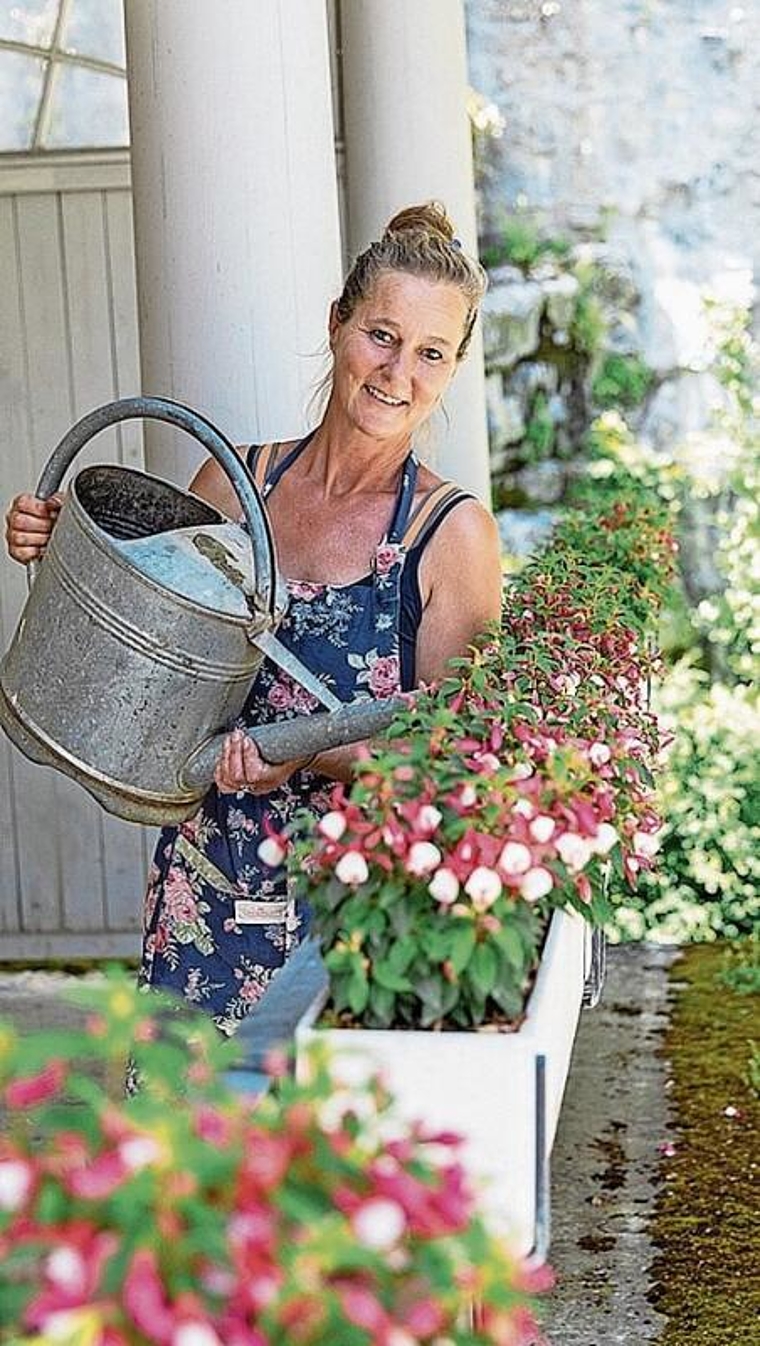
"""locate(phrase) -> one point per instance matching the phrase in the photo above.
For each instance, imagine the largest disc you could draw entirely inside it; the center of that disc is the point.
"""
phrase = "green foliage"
(707, 883)
(741, 967)
(538, 440)
(523, 244)
(589, 326)
(621, 381)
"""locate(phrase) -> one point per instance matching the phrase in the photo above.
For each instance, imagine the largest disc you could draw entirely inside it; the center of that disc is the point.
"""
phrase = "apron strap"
(426, 515)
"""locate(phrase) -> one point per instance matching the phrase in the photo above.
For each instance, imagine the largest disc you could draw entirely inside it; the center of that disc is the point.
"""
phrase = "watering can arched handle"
(217, 444)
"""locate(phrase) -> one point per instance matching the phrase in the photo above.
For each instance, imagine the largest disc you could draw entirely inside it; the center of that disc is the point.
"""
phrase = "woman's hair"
(420, 241)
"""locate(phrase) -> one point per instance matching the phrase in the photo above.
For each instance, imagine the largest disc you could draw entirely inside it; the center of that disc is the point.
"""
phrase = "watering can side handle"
(303, 736)
(212, 439)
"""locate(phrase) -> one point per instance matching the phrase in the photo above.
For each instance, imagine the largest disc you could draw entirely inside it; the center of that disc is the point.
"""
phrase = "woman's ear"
(333, 324)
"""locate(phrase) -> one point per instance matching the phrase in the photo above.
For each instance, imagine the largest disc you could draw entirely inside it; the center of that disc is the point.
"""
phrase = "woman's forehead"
(401, 295)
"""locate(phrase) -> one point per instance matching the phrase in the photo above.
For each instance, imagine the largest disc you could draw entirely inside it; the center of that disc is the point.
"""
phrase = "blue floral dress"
(219, 922)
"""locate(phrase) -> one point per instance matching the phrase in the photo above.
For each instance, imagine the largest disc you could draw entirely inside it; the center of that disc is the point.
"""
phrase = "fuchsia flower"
(17, 1181)
(31, 1090)
(423, 858)
(483, 886)
(352, 869)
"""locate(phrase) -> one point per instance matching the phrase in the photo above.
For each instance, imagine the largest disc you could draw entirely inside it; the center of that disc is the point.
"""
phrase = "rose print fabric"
(219, 922)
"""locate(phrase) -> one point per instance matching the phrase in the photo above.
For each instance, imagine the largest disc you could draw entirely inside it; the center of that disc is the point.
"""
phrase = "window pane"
(20, 92)
(87, 109)
(96, 28)
(31, 21)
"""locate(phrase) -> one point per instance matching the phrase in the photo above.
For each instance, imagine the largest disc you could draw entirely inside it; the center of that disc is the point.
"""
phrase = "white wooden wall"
(71, 876)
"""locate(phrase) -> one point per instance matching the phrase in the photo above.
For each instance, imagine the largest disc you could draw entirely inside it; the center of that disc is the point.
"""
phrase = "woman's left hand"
(241, 767)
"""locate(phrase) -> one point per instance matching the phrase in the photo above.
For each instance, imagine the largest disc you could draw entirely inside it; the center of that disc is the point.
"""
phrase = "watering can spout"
(301, 737)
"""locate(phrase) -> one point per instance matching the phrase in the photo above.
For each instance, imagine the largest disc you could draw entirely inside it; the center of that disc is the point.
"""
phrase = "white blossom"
(379, 1223)
(542, 828)
(515, 858)
(537, 883)
(606, 837)
(599, 754)
(483, 886)
(332, 825)
(423, 858)
(66, 1268)
(271, 852)
(428, 818)
(15, 1183)
(444, 886)
(195, 1334)
(646, 844)
(574, 851)
(352, 869)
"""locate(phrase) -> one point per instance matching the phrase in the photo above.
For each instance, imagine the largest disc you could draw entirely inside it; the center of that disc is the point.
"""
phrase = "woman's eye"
(430, 353)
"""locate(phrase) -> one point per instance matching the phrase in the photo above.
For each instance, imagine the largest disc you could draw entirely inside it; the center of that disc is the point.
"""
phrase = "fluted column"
(236, 214)
(407, 140)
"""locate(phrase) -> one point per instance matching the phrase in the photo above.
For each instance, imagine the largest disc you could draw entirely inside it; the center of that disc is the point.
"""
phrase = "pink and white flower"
(646, 844)
(483, 886)
(423, 858)
(599, 754)
(606, 837)
(574, 851)
(428, 818)
(515, 858)
(542, 828)
(444, 886)
(379, 1223)
(16, 1182)
(271, 852)
(352, 869)
(332, 825)
(538, 882)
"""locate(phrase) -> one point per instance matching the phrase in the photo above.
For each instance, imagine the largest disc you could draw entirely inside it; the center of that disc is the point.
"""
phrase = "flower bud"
(271, 852)
(423, 858)
(606, 837)
(515, 858)
(352, 869)
(538, 882)
(444, 886)
(542, 828)
(574, 851)
(483, 886)
(332, 825)
(428, 818)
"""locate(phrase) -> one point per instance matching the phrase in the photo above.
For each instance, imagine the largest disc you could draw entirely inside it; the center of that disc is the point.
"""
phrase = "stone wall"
(637, 121)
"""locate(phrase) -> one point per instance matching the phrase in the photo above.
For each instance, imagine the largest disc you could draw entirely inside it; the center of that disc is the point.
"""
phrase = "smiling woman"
(391, 572)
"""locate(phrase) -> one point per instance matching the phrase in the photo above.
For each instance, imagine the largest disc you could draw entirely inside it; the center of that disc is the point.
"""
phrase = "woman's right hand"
(28, 524)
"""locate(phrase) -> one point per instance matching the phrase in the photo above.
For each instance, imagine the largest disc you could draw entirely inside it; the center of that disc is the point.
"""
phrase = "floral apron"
(219, 922)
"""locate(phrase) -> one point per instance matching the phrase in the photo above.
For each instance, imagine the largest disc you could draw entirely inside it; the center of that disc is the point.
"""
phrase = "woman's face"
(396, 355)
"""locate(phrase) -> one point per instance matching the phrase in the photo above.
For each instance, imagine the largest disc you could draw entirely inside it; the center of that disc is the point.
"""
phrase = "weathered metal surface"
(116, 680)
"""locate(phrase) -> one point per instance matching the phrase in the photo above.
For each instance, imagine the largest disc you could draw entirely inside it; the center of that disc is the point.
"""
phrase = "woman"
(390, 572)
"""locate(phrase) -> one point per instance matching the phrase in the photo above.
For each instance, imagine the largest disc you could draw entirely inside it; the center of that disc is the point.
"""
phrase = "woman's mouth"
(385, 398)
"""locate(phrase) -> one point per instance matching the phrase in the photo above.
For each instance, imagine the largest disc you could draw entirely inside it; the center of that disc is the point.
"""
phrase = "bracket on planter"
(542, 1175)
(594, 983)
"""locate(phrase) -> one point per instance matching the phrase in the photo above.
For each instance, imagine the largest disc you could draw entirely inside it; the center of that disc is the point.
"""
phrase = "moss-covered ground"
(707, 1223)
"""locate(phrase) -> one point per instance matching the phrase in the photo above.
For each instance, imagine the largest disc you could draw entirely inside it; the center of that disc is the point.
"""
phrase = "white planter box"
(501, 1091)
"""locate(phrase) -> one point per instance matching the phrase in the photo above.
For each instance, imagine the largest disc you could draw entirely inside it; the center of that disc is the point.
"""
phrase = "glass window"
(29, 21)
(69, 90)
(87, 107)
(95, 28)
(21, 81)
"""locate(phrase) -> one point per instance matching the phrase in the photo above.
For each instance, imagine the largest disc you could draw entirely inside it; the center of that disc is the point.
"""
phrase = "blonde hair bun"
(429, 218)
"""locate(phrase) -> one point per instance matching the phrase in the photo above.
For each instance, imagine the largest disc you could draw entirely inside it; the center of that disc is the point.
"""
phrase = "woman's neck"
(342, 461)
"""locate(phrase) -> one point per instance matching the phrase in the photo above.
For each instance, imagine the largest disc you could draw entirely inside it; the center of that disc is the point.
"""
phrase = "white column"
(236, 212)
(408, 140)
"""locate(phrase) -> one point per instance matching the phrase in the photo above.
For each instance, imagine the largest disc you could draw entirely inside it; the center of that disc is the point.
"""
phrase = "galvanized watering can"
(122, 682)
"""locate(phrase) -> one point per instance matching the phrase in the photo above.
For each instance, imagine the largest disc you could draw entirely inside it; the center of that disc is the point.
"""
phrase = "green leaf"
(462, 945)
(483, 968)
(512, 946)
(357, 991)
(384, 975)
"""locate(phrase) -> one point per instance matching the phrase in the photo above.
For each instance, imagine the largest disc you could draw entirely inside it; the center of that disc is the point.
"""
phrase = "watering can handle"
(163, 409)
(303, 736)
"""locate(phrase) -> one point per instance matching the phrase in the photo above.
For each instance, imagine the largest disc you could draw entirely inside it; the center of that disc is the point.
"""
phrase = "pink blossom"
(646, 844)
(379, 1223)
(515, 858)
(144, 1298)
(537, 883)
(66, 1268)
(483, 886)
(468, 796)
(386, 556)
(523, 808)
(352, 869)
(332, 825)
(99, 1178)
(384, 675)
(30, 1090)
(444, 886)
(280, 696)
(423, 858)
(362, 1308)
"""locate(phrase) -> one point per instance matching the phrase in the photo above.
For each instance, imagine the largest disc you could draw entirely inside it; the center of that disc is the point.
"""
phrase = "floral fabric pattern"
(199, 938)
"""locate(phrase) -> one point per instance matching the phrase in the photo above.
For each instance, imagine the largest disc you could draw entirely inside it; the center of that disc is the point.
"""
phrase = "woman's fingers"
(28, 524)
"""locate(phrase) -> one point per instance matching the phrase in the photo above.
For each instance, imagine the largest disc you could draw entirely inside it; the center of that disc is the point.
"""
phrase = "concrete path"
(606, 1154)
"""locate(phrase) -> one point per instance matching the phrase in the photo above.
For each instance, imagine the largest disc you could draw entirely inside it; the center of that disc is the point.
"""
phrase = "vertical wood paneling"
(13, 441)
(68, 341)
